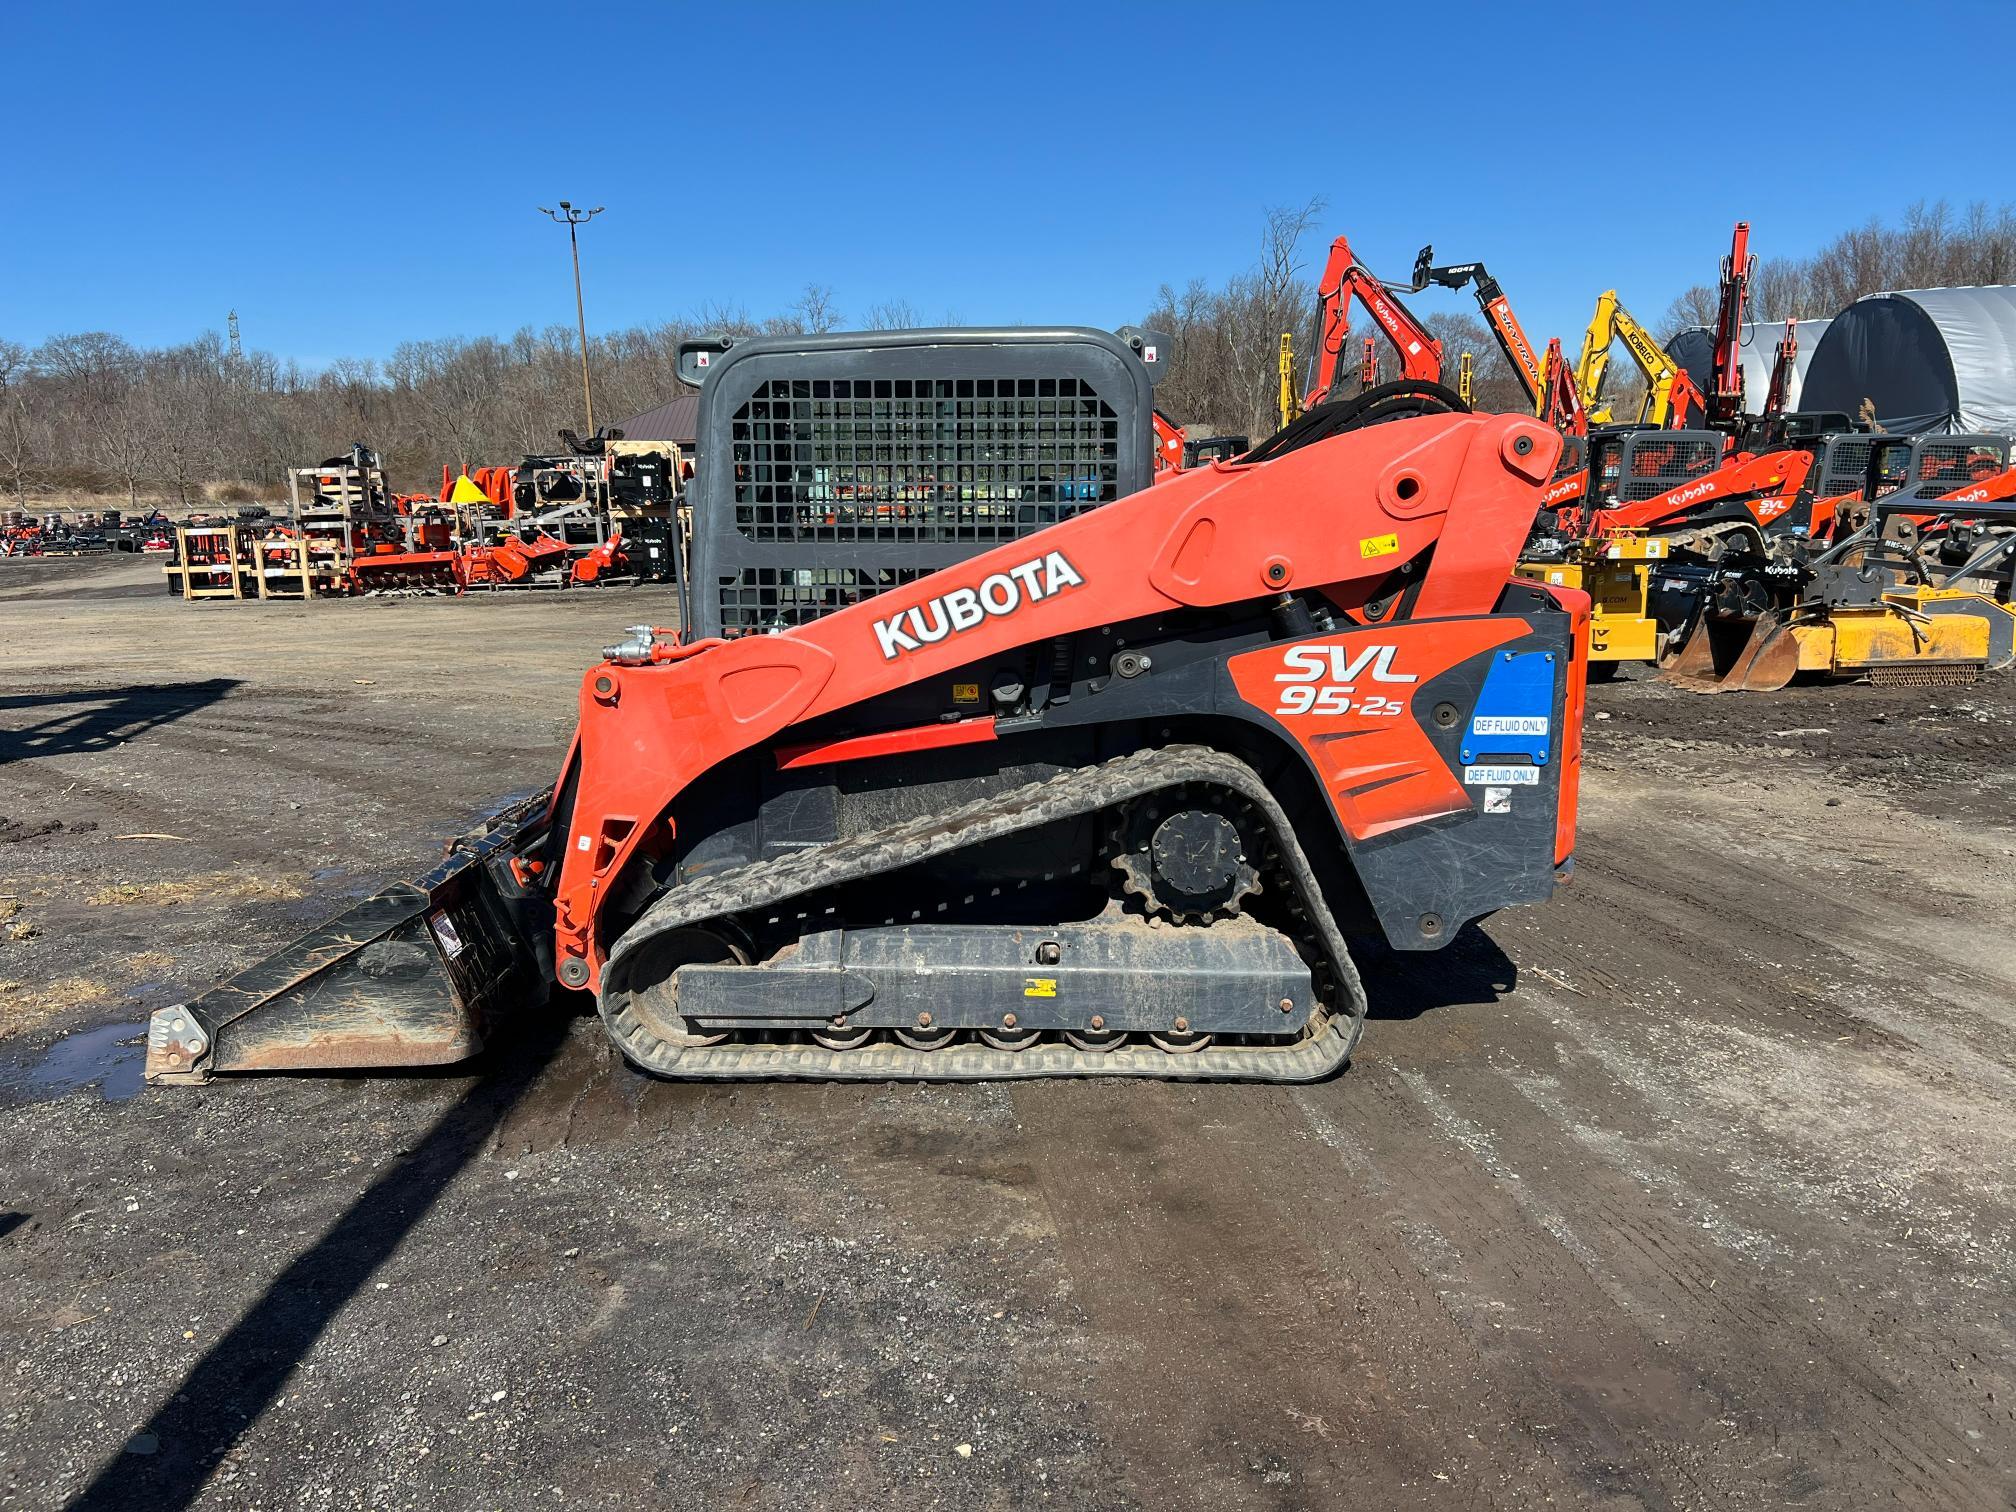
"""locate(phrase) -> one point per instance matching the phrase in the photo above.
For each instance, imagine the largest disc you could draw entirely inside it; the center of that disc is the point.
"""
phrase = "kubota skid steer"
(1105, 798)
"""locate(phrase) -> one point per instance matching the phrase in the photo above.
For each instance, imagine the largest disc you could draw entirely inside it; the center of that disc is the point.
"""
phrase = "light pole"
(572, 217)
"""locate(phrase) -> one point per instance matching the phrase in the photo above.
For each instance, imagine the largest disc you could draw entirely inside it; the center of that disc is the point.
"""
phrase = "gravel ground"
(1689, 1189)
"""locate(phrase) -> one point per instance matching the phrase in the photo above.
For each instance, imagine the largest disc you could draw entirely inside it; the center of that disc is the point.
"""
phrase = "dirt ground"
(1690, 1189)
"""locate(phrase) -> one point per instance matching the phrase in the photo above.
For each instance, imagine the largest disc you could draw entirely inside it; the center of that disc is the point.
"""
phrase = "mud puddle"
(111, 1058)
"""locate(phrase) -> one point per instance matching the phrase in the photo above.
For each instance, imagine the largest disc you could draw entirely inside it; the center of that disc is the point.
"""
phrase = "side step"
(414, 976)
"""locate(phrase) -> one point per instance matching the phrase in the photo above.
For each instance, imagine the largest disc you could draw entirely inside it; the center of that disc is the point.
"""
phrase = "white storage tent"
(1933, 361)
(1694, 350)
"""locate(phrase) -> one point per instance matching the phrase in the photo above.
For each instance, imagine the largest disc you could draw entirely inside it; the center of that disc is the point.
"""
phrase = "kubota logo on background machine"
(962, 609)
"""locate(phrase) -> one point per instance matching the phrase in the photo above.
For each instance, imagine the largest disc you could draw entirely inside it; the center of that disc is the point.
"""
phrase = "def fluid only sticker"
(1501, 776)
(1514, 712)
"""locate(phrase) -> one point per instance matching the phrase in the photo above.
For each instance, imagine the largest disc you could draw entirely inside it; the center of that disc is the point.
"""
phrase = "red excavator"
(1104, 794)
(1346, 279)
(1724, 399)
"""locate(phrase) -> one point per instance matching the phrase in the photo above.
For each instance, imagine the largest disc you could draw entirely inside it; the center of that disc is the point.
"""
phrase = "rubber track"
(766, 883)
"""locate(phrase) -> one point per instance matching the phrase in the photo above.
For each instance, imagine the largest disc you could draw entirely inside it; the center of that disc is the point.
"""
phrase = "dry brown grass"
(227, 887)
(23, 1007)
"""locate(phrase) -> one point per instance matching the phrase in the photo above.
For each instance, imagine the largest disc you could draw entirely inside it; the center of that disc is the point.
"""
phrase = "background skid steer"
(1102, 794)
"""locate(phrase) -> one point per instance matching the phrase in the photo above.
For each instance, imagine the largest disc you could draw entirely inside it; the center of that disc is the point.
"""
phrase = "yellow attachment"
(1899, 632)
(1617, 576)
(1290, 408)
(1914, 634)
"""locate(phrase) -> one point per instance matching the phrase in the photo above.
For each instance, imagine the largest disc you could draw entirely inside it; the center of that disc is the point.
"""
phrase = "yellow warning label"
(1039, 986)
(965, 692)
(1378, 546)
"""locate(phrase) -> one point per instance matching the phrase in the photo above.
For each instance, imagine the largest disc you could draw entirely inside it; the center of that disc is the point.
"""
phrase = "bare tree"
(1780, 290)
(815, 309)
(176, 437)
(449, 387)
(1695, 306)
(17, 430)
(122, 443)
(893, 315)
(1275, 298)
(18, 444)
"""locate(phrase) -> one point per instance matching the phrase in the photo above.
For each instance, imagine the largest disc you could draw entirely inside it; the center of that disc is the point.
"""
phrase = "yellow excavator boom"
(1612, 323)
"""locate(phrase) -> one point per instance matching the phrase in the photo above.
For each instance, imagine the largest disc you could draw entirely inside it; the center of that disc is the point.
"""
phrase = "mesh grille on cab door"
(1941, 467)
(916, 461)
(1660, 460)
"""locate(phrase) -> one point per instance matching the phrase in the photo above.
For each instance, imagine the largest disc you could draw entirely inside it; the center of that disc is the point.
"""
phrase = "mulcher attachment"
(416, 975)
(1865, 608)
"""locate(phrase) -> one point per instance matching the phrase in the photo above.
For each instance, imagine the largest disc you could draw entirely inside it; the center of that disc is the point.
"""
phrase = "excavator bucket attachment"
(1726, 656)
(1769, 660)
(416, 975)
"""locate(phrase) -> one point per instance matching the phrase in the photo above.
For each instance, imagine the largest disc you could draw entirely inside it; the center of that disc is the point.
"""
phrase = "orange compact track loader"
(1049, 773)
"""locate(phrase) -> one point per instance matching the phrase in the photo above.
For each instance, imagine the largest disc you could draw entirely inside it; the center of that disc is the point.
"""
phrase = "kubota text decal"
(960, 610)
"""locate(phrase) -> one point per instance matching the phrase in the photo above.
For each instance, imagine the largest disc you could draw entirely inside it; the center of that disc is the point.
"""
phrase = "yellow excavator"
(1671, 397)
(1290, 402)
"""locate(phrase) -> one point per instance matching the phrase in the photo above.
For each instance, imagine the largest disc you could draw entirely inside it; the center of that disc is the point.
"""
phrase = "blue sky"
(348, 176)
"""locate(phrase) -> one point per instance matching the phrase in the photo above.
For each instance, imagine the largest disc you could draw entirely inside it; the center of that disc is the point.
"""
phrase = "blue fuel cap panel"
(1514, 711)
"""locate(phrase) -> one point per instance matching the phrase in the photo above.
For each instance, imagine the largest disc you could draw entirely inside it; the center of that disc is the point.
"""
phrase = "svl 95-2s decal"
(1322, 679)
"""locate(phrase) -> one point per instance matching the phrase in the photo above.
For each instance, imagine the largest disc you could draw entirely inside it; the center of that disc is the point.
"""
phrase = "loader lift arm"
(1346, 279)
(1169, 439)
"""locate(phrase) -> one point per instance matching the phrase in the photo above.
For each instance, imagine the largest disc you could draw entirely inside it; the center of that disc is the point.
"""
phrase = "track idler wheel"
(654, 981)
(1009, 1039)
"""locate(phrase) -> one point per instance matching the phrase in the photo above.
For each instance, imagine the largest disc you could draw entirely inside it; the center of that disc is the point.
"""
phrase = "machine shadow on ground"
(1472, 969)
(81, 721)
(206, 1413)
